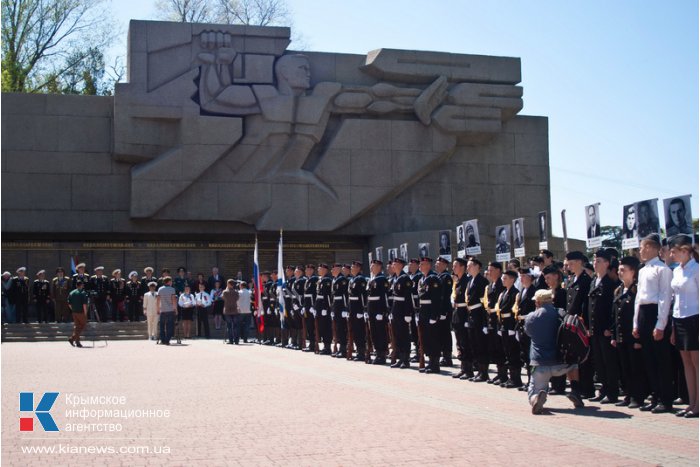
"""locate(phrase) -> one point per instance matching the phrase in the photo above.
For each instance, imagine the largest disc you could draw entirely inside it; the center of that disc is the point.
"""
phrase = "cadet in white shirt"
(651, 324)
(187, 303)
(685, 315)
(150, 309)
(202, 300)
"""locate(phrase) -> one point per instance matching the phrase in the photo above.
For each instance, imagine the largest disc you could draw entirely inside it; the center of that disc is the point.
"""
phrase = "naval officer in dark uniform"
(378, 310)
(429, 312)
(402, 313)
(357, 301)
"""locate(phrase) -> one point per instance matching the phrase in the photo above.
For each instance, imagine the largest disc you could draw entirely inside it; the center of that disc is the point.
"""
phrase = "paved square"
(253, 405)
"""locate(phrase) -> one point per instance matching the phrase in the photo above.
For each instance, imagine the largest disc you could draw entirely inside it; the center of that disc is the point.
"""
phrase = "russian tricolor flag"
(280, 278)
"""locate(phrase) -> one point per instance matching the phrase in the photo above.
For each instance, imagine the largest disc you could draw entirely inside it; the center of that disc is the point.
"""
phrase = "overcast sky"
(618, 81)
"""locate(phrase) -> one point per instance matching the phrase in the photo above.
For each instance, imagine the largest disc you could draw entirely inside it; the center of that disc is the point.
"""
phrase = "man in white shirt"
(244, 310)
(202, 301)
(150, 309)
(652, 324)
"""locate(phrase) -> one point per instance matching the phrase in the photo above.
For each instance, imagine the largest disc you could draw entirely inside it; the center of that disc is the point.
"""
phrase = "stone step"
(45, 332)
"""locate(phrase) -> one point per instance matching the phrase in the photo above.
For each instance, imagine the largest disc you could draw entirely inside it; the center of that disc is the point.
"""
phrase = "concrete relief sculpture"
(224, 117)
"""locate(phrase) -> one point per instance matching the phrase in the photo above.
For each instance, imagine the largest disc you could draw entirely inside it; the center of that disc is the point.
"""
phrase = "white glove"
(443, 317)
(332, 314)
(517, 336)
(485, 330)
(345, 314)
(466, 324)
(269, 312)
(499, 333)
(295, 306)
(407, 319)
(391, 316)
(313, 311)
(433, 321)
(365, 315)
(379, 317)
(324, 312)
(511, 333)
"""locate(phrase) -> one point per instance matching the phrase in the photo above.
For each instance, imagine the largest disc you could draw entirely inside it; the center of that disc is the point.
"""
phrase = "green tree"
(612, 236)
(46, 43)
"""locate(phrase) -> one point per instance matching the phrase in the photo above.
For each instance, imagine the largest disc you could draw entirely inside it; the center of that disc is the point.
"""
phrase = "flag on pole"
(256, 278)
(280, 278)
(73, 262)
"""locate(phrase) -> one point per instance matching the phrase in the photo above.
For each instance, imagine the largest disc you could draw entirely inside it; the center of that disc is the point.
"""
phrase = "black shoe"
(230, 342)
(576, 399)
(405, 364)
(480, 378)
(459, 375)
(70, 341)
(681, 413)
(556, 392)
(608, 400)
(422, 370)
(513, 384)
(648, 407)
(165, 343)
(432, 370)
(633, 404)
(467, 376)
(623, 403)
(358, 358)
(680, 401)
(661, 408)
(78, 344)
(597, 398)
(522, 388)
(690, 415)
(379, 361)
(414, 359)
(446, 362)
(325, 352)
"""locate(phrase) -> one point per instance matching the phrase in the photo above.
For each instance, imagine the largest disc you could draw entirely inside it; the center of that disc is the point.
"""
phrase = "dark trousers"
(633, 373)
(42, 312)
(243, 326)
(341, 331)
(102, 309)
(657, 355)
(325, 329)
(22, 310)
(414, 334)
(430, 334)
(310, 331)
(167, 326)
(134, 310)
(380, 340)
(511, 350)
(445, 336)
(358, 333)
(477, 339)
(464, 350)
(232, 323)
(203, 321)
(401, 330)
(496, 353)
(606, 366)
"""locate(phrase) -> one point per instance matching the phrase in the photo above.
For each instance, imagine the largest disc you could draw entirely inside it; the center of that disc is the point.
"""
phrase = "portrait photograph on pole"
(630, 233)
(445, 246)
(403, 251)
(542, 228)
(503, 252)
(461, 243)
(593, 237)
(424, 250)
(471, 230)
(678, 216)
(379, 253)
(647, 212)
(519, 237)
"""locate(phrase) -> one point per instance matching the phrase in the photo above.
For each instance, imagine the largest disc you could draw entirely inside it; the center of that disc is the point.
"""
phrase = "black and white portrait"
(518, 233)
(647, 217)
(392, 254)
(403, 251)
(461, 245)
(593, 221)
(629, 221)
(542, 224)
(424, 250)
(379, 253)
(502, 239)
(679, 219)
(471, 231)
(445, 248)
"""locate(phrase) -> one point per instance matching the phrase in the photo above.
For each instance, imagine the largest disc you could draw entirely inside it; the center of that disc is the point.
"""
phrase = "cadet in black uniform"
(298, 305)
(577, 304)
(290, 328)
(134, 297)
(377, 309)
(309, 302)
(478, 320)
(357, 296)
(444, 333)
(600, 319)
(526, 305)
(41, 292)
(265, 312)
(507, 321)
(429, 311)
(490, 299)
(99, 285)
(402, 314)
(117, 295)
(339, 313)
(460, 320)
(275, 311)
(629, 349)
(415, 275)
(323, 306)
